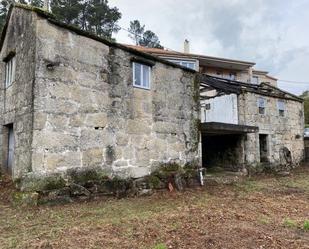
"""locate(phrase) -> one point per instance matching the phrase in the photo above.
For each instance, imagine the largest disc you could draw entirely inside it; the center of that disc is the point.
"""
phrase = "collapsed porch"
(223, 145)
(223, 137)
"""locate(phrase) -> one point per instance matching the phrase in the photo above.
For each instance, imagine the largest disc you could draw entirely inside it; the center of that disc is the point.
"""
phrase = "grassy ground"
(264, 212)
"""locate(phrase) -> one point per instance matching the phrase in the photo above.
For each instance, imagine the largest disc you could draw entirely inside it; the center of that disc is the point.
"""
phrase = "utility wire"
(294, 82)
(282, 81)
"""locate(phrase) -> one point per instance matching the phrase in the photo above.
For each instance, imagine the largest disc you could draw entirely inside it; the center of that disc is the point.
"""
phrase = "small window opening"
(10, 67)
(261, 105)
(141, 75)
(207, 106)
(281, 108)
(255, 80)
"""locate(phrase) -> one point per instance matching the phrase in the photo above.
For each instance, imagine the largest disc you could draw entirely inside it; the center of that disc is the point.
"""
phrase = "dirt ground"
(262, 212)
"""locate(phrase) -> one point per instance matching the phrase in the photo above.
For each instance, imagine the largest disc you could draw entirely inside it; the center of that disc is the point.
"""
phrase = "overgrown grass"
(306, 225)
(289, 223)
(160, 246)
(264, 220)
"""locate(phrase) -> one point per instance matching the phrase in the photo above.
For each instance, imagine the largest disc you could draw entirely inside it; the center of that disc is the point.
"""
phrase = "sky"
(272, 33)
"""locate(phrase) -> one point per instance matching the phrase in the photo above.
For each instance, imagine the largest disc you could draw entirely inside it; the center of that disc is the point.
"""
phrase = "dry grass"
(253, 214)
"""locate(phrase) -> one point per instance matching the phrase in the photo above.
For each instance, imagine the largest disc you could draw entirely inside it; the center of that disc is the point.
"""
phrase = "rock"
(283, 173)
(179, 182)
(145, 192)
(79, 190)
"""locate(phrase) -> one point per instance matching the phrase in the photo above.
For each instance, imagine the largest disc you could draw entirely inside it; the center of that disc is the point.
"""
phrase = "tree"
(150, 39)
(90, 15)
(94, 15)
(5, 4)
(136, 31)
(141, 37)
(67, 11)
(101, 19)
(4, 7)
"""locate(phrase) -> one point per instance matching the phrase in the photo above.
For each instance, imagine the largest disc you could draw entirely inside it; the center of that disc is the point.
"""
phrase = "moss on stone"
(85, 176)
(154, 182)
(42, 183)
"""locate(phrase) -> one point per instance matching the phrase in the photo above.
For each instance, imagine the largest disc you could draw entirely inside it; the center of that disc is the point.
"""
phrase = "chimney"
(46, 5)
(186, 46)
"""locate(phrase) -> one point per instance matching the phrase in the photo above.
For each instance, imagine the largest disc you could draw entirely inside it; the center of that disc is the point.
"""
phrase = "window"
(232, 76)
(261, 105)
(188, 64)
(255, 80)
(9, 71)
(141, 75)
(207, 106)
(281, 108)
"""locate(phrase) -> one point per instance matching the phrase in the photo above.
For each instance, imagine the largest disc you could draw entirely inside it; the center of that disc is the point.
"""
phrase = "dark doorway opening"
(8, 148)
(263, 138)
(223, 151)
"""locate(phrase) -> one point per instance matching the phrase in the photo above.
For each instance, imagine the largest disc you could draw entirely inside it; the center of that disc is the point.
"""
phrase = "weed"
(290, 223)
(264, 220)
(160, 246)
(306, 225)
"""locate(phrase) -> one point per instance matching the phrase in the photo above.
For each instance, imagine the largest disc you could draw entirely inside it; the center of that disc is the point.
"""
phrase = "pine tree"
(4, 7)
(141, 37)
(136, 31)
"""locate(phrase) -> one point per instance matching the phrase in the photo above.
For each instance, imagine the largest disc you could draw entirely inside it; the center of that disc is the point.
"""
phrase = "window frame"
(261, 107)
(257, 80)
(141, 75)
(184, 63)
(281, 112)
(10, 70)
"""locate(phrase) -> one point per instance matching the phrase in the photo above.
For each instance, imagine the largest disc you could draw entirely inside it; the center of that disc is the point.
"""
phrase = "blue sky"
(272, 33)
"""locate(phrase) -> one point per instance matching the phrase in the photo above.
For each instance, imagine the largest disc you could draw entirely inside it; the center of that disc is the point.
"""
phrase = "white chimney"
(186, 46)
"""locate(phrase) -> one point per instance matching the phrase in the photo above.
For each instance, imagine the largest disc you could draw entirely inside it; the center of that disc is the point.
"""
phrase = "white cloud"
(272, 33)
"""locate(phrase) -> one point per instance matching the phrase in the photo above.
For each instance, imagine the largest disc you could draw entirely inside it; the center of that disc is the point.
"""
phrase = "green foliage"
(290, 223)
(160, 246)
(306, 225)
(137, 30)
(141, 37)
(93, 16)
(4, 7)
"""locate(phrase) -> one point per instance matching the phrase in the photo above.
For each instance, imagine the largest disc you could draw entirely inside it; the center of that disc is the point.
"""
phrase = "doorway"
(9, 151)
(263, 148)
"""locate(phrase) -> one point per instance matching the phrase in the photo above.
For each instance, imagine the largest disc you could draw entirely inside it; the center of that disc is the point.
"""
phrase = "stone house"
(72, 101)
(245, 119)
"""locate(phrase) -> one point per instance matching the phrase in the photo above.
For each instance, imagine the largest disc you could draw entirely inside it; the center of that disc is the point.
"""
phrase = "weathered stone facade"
(73, 105)
(286, 131)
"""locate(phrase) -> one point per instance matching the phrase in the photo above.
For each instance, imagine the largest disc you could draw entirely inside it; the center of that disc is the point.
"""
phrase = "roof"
(226, 86)
(52, 19)
(210, 128)
(204, 59)
(265, 73)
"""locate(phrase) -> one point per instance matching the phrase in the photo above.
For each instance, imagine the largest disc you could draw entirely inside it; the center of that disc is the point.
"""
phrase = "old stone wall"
(87, 114)
(282, 132)
(16, 99)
